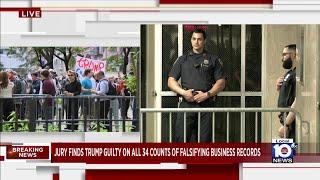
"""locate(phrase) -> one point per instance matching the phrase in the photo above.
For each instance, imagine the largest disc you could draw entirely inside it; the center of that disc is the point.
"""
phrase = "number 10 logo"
(282, 150)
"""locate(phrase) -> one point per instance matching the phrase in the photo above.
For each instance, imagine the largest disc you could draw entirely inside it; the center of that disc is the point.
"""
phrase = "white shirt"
(94, 84)
(7, 92)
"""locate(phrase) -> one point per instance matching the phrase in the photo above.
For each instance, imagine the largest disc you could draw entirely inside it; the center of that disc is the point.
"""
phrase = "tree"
(66, 54)
(47, 53)
(134, 59)
(114, 62)
(34, 55)
(22, 53)
(126, 52)
(131, 83)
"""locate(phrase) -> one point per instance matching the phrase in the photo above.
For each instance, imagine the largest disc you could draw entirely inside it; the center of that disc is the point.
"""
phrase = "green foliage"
(130, 128)
(52, 128)
(23, 125)
(11, 124)
(33, 55)
(114, 62)
(134, 61)
(94, 127)
(67, 55)
(72, 62)
(24, 54)
(131, 83)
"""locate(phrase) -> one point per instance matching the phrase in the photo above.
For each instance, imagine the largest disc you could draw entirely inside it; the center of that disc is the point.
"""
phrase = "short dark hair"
(199, 31)
(45, 73)
(34, 74)
(291, 47)
(87, 71)
(100, 73)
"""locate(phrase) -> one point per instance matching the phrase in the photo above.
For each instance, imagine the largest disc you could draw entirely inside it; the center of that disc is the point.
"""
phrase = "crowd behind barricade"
(103, 102)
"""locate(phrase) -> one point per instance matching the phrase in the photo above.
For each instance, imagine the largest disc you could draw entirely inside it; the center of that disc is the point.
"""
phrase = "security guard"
(286, 86)
(202, 77)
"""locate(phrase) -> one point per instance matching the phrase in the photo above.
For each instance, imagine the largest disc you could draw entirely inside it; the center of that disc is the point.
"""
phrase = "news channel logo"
(283, 150)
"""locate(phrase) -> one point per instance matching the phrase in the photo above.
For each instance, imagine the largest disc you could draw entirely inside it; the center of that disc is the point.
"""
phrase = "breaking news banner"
(283, 150)
(27, 152)
(153, 153)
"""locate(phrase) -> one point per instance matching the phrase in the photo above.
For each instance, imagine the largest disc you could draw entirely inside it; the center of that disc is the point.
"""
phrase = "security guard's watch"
(209, 94)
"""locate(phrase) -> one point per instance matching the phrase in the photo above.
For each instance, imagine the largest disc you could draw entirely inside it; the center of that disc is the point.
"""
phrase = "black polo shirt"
(74, 87)
(287, 91)
(197, 71)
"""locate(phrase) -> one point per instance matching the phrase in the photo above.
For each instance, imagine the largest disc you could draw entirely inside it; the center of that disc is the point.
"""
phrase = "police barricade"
(171, 111)
(36, 113)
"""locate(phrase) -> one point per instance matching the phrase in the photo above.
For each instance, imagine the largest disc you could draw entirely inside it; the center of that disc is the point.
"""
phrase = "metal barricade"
(92, 113)
(223, 110)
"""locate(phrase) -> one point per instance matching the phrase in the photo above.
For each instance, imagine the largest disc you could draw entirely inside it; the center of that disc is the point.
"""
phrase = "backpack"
(17, 88)
(24, 86)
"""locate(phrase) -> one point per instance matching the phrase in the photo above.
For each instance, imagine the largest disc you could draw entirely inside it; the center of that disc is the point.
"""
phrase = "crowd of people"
(92, 95)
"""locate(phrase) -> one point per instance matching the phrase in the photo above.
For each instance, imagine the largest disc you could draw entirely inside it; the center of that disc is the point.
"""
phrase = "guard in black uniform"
(202, 77)
(286, 86)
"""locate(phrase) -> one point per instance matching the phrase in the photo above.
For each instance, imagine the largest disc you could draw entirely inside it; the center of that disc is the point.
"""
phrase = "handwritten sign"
(86, 63)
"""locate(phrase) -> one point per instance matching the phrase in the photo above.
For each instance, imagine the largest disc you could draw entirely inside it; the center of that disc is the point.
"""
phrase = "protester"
(73, 88)
(6, 90)
(48, 89)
